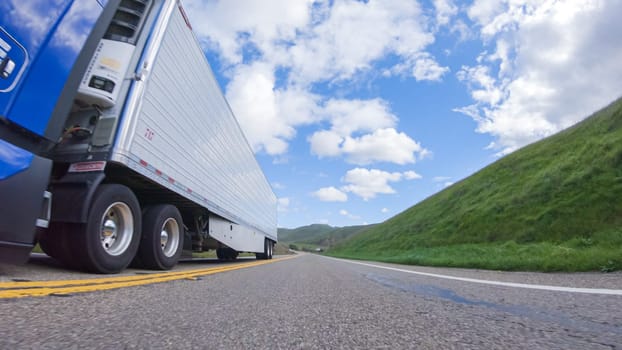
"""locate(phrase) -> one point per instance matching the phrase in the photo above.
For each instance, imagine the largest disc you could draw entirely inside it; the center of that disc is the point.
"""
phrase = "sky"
(358, 110)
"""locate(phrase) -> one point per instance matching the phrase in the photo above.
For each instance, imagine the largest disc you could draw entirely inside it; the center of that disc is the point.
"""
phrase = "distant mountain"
(319, 234)
(303, 233)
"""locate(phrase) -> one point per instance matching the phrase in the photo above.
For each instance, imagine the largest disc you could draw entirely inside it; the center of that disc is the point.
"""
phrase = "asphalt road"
(312, 302)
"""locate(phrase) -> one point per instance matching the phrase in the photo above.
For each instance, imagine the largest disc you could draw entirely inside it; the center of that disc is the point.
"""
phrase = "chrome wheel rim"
(117, 225)
(169, 237)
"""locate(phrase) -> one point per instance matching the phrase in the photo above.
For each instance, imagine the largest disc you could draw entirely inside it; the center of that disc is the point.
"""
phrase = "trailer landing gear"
(226, 254)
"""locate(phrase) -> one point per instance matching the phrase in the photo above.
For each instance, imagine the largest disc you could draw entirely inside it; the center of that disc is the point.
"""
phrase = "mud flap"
(20, 207)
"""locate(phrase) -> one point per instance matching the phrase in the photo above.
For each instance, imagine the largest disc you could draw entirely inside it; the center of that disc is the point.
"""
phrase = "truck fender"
(72, 196)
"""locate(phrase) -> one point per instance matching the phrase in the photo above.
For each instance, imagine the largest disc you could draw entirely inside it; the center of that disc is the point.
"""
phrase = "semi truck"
(117, 145)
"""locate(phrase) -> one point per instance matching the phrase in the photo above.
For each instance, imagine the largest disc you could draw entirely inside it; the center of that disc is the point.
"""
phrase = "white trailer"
(151, 160)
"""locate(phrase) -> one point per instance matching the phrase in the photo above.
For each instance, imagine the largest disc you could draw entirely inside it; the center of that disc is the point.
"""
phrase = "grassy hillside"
(318, 235)
(553, 205)
(303, 233)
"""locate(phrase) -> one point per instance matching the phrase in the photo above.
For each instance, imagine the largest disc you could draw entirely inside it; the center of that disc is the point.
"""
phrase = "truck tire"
(267, 251)
(162, 238)
(109, 239)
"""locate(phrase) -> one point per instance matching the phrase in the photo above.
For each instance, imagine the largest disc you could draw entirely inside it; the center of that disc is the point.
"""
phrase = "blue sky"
(357, 110)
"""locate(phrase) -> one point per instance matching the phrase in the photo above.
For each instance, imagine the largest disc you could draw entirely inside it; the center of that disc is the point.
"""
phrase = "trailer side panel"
(185, 137)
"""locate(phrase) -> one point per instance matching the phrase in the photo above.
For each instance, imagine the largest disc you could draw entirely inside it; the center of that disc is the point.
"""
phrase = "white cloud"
(268, 115)
(445, 10)
(426, 68)
(484, 88)
(222, 27)
(254, 86)
(326, 143)
(349, 215)
(330, 194)
(278, 186)
(411, 175)
(367, 183)
(278, 50)
(343, 42)
(283, 204)
(348, 116)
(484, 11)
(553, 63)
(383, 145)
(384, 210)
(378, 140)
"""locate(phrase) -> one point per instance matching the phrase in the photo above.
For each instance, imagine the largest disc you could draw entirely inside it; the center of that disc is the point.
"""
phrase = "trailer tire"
(109, 239)
(162, 238)
(267, 252)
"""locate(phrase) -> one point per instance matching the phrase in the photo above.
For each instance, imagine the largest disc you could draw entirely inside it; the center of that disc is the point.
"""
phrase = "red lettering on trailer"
(87, 167)
(149, 134)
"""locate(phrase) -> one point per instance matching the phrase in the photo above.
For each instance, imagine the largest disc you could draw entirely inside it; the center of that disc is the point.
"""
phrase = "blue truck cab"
(45, 48)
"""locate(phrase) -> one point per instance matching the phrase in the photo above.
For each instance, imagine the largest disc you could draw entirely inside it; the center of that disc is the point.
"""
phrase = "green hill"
(318, 235)
(304, 233)
(553, 205)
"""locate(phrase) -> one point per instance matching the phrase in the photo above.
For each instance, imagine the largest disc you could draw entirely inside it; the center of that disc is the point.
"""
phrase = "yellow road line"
(43, 288)
(104, 280)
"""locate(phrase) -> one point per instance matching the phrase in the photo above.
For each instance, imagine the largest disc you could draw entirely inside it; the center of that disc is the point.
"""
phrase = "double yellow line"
(67, 287)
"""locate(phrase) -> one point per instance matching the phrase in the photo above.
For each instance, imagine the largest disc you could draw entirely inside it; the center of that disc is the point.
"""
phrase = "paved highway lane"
(312, 302)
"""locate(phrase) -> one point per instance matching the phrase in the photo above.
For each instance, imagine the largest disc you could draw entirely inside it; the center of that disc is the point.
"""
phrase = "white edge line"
(494, 283)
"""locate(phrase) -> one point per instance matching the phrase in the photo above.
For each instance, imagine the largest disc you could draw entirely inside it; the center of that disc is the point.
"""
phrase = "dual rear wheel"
(268, 248)
(111, 238)
(162, 239)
